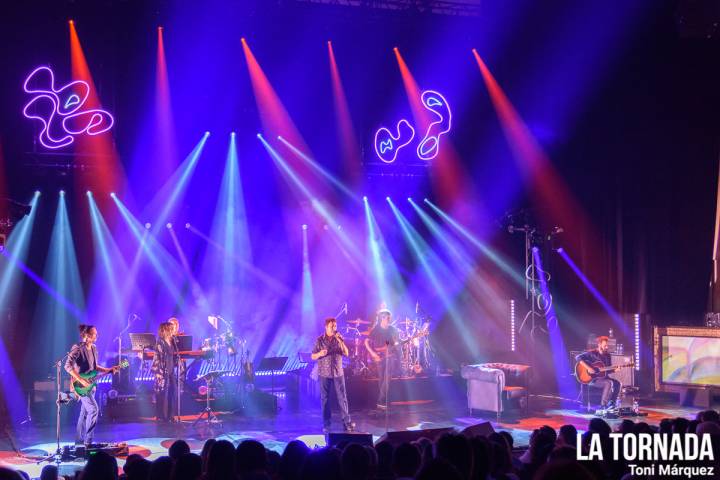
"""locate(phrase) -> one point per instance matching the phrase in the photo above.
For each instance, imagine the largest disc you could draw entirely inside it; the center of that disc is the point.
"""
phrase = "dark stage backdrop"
(638, 148)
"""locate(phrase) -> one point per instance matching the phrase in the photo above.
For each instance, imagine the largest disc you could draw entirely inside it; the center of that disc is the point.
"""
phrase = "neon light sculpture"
(59, 109)
(429, 146)
(388, 145)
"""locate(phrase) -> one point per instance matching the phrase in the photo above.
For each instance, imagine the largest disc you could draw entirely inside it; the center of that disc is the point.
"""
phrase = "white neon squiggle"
(429, 146)
(385, 141)
(67, 113)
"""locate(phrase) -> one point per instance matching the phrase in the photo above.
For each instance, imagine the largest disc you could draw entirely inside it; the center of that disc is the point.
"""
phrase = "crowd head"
(550, 454)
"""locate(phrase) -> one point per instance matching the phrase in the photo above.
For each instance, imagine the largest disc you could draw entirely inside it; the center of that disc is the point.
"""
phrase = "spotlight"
(37, 193)
(62, 193)
(410, 199)
(329, 42)
(387, 198)
(232, 134)
(207, 133)
(339, 227)
(535, 249)
(160, 27)
(364, 198)
(279, 137)
(325, 227)
(395, 49)
(259, 135)
(560, 250)
(112, 194)
(187, 225)
(89, 193)
(304, 226)
(148, 225)
(242, 39)
(426, 200)
(71, 21)
(169, 225)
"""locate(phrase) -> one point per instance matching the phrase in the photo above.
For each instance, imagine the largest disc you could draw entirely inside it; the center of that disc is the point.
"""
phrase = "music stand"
(207, 413)
(273, 364)
(139, 342)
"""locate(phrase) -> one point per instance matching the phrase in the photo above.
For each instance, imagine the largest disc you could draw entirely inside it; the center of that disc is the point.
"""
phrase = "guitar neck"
(613, 367)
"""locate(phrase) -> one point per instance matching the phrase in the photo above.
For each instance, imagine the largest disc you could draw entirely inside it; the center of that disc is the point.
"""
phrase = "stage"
(151, 440)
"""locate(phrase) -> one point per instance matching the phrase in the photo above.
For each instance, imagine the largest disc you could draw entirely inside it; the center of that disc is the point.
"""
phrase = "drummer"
(176, 326)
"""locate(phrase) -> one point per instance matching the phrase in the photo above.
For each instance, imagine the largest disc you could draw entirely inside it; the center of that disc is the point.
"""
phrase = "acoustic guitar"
(584, 376)
(92, 376)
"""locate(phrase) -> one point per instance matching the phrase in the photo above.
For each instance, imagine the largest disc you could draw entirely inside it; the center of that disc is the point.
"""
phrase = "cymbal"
(358, 321)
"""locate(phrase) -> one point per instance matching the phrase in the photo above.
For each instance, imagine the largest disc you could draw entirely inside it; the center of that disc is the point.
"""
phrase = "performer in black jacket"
(164, 364)
(83, 358)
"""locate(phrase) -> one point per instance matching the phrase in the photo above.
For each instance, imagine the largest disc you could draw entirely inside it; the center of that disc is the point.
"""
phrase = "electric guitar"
(383, 351)
(584, 376)
(91, 376)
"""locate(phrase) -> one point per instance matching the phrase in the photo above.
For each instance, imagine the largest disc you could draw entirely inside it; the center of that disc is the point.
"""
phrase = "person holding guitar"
(595, 360)
(328, 350)
(380, 344)
(83, 358)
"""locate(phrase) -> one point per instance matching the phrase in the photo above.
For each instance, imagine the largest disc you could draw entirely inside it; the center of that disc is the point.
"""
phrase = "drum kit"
(225, 351)
(416, 355)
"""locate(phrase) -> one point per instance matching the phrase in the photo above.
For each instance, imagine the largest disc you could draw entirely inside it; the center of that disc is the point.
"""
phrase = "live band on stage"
(379, 348)
(383, 348)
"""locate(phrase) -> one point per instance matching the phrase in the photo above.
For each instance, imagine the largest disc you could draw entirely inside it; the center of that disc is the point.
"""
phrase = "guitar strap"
(94, 357)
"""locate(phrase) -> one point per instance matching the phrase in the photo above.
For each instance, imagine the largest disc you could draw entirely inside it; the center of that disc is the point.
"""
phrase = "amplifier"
(626, 376)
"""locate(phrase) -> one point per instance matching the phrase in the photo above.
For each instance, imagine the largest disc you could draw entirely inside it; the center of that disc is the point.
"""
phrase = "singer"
(328, 351)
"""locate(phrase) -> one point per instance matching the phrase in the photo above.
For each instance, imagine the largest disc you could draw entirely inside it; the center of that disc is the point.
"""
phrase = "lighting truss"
(467, 8)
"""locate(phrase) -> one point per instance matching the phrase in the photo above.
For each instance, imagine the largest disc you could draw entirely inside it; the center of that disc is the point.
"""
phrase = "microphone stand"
(57, 456)
(387, 382)
(176, 354)
(343, 309)
(130, 318)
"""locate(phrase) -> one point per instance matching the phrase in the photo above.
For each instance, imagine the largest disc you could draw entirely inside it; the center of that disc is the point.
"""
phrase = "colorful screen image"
(690, 360)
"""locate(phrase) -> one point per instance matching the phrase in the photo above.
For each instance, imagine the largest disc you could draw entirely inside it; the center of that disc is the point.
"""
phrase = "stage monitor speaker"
(483, 429)
(359, 438)
(258, 402)
(407, 436)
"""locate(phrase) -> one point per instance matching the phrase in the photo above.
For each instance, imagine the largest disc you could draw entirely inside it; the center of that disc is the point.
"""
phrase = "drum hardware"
(207, 413)
(358, 321)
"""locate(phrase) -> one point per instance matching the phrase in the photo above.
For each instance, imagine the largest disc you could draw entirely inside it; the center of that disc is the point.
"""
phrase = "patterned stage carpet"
(152, 440)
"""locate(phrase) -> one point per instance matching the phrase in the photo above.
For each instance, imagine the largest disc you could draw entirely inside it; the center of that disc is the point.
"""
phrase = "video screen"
(690, 360)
